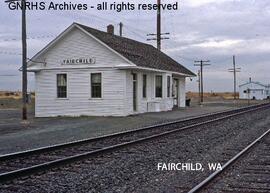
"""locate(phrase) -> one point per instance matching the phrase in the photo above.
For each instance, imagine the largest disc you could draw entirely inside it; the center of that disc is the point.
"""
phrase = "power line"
(8, 75)
(127, 26)
(186, 58)
(137, 34)
(222, 60)
(9, 53)
(29, 38)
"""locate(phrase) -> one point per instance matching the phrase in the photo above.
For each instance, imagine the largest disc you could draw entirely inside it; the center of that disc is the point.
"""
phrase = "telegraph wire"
(185, 58)
(29, 38)
(132, 30)
(10, 53)
(8, 75)
(135, 33)
(222, 60)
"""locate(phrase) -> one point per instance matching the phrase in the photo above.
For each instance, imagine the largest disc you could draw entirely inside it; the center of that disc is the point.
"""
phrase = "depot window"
(61, 86)
(144, 85)
(168, 86)
(96, 85)
(158, 86)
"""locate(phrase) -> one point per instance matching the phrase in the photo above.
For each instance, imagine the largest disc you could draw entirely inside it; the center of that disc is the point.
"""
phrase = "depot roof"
(141, 54)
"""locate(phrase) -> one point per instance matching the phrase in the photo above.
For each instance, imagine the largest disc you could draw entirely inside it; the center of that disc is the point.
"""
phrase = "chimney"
(121, 29)
(110, 29)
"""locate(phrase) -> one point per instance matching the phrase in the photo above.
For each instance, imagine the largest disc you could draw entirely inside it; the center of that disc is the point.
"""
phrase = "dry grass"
(212, 96)
(9, 99)
(7, 95)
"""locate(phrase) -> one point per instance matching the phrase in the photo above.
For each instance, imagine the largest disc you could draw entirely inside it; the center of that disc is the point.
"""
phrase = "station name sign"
(79, 61)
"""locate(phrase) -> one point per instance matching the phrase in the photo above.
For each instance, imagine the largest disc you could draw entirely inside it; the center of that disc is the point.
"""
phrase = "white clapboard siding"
(79, 100)
(77, 44)
(257, 91)
(182, 92)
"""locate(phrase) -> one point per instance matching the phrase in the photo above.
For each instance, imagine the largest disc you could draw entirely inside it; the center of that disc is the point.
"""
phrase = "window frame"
(101, 86)
(144, 86)
(156, 96)
(57, 87)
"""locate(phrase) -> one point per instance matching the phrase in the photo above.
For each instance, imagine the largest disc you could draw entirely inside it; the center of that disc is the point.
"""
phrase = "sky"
(199, 30)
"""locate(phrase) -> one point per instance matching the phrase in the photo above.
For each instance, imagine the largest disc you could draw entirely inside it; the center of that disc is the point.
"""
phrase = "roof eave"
(152, 69)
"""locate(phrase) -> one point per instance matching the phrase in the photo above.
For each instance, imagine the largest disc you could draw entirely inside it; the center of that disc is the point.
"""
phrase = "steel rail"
(52, 164)
(210, 178)
(88, 140)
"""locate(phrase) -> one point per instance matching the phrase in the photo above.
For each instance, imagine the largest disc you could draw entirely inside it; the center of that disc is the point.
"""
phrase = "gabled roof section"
(252, 82)
(138, 53)
(48, 46)
(141, 54)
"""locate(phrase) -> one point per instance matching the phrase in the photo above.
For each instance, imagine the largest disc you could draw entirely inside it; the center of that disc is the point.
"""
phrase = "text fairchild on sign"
(80, 61)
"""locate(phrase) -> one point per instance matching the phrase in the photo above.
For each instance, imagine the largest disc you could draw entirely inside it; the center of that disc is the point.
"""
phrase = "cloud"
(218, 43)
(201, 29)
(197, 3)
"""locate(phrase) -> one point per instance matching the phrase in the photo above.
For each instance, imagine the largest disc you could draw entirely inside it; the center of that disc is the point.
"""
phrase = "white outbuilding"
(254, 90)
(89, 72)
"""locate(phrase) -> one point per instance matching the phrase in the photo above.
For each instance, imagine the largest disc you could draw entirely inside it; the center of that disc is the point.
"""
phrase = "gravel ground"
(16, 136)
(251, 173)
(134, 169)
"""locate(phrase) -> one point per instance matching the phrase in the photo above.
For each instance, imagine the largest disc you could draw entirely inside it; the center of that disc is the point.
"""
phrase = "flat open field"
(13, 100)
(212, 96)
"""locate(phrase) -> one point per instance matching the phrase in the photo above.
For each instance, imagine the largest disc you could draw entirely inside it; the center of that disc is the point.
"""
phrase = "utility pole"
(121, 29)
(201, 63)
(158, 26)
(248, 91)
(24, 58)
(234, 70)
(158, 34)
(199, 84)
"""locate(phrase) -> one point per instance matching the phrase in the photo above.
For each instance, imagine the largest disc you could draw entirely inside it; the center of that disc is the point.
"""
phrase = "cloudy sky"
(201, 29)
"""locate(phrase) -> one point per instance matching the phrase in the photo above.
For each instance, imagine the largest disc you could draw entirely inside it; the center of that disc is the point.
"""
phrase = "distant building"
(85, 71)
(254, 90)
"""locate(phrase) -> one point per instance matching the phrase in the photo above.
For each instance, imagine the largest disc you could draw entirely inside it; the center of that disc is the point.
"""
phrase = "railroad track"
(28, 162)
(256, 172)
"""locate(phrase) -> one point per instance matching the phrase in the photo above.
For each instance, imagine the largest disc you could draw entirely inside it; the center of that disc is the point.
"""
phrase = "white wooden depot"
(118, 86)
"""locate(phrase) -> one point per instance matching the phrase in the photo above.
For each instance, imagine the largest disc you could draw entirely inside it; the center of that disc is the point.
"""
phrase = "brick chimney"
(110, 29)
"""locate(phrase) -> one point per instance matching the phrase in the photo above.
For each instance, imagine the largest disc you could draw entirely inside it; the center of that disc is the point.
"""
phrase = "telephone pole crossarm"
(158, 35)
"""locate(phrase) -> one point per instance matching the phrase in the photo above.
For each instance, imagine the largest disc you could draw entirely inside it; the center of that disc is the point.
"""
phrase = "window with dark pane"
(158, 86)
(96, 85)
(61, 86)
(144, 85)
(168, 86)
